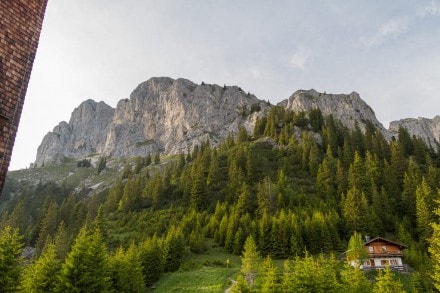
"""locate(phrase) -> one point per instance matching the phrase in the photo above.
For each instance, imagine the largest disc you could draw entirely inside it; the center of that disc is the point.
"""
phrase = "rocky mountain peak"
(427, 129)
(349, 109)
(161, 115)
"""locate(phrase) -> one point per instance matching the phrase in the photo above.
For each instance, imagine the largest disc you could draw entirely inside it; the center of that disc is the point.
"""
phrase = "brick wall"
(20, 26)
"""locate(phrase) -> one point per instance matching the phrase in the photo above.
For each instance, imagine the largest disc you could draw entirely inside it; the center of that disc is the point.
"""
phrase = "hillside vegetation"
(286, 198)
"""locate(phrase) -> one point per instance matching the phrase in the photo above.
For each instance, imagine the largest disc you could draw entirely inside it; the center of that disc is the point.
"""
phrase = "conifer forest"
(287, 201)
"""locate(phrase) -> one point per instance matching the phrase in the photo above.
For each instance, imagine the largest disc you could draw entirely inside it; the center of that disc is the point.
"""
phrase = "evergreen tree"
(434, 248)
(126, 271)
(250, 262)
(42, 275)
(173, 248)
(356, 252)
(114, 196)
(151, 257)
(61, 242)
(268, 278)
(199, 194)
(424, 215)
(354, 280)
(387, 283)
(85, 268)
(48, 226)
(355, 211)
(10, 259)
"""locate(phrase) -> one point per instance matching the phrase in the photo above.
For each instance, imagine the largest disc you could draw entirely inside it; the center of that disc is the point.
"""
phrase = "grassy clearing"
(205, 272)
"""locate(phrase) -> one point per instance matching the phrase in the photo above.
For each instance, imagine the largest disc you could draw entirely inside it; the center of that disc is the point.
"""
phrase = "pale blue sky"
(388, 51)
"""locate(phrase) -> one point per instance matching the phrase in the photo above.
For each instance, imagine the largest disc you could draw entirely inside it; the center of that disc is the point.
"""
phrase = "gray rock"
(349, 109)
(162, 115)
(427, 129)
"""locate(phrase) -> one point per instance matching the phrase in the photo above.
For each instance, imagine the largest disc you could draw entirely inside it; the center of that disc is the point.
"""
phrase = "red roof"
(401, 246)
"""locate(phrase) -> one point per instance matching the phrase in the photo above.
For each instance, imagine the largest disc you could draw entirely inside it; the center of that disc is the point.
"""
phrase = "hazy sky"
(388, 51)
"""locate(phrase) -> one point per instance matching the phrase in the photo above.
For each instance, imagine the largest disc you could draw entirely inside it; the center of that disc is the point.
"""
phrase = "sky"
(387, 51)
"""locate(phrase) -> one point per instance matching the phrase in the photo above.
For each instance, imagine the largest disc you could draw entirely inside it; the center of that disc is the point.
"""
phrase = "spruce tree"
(386, 282)
(126, 271)
(354, 280)
(250, 262)
(151, 257)
(10, 259)
(85, 268)
(269, 277)
(42, 275)
(434, 247)
(173, 248)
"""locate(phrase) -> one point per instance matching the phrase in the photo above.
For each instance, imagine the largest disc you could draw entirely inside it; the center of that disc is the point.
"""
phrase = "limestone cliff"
(162, 115)
(349, 109)
(428, 129)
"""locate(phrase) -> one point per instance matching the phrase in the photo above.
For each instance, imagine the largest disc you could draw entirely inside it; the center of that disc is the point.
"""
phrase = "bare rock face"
(82, 136)
(162, 115)
(349, 109)
(427, 129)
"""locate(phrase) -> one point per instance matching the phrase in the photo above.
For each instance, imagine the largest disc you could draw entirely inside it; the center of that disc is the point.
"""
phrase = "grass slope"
(205, 272)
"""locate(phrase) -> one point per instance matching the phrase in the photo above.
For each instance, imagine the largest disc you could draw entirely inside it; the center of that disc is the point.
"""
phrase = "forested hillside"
(295, 189)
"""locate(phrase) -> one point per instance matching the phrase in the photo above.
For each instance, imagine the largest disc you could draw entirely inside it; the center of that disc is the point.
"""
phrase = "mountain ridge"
(173, 115)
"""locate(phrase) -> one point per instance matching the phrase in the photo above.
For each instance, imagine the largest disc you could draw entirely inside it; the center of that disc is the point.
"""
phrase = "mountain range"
(173, 115)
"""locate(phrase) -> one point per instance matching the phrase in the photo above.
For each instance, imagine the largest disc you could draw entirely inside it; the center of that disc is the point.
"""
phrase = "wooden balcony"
(385, 254)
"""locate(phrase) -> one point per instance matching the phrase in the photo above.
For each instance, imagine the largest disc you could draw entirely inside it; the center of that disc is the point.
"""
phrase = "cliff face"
(349, 109)
(428, 129)
(172, 116)
(162, 115)
(83, 135)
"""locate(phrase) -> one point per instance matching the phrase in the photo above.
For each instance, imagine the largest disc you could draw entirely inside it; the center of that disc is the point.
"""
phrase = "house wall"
(379, 245)
(20, 26)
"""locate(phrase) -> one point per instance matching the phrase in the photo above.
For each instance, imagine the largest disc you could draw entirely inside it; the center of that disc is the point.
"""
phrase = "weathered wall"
(20, 26)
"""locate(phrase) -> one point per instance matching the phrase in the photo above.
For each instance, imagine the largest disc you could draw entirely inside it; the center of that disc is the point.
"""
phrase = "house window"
(384, 248)
(393, 262)
(384, 262)
(370, 248)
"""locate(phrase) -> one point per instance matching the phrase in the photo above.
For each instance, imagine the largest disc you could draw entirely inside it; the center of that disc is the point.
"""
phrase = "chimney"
(367, 238)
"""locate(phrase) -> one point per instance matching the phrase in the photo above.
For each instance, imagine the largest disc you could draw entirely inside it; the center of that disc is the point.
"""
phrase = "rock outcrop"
(162, 115)
(82, 136)
(349, 109)
(428, 129)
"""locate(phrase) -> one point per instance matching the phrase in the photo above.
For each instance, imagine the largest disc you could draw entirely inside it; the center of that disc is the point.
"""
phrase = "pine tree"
(61, 241)
(151, 257)
(126, 271)
(356, 252)
(250, 261)
(268, 278)
(85, 268)
(42, 275)
(10, 259)
(48, 226)
(387, 283)
(114, 196)
(434, 247)
(423, 212)
(199, 194)
(173, 248)
(354, 280)
(355, 211)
